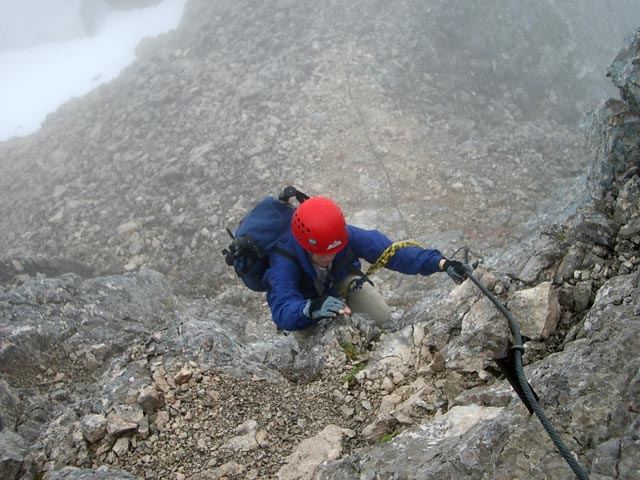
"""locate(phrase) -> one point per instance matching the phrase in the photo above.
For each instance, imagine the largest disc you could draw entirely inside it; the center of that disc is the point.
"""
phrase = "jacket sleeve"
(369, 244)
(283, 296)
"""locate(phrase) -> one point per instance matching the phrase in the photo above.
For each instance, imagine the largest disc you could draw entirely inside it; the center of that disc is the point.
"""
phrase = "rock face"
(625, 74)
(21, 268)
(44, 326)
(136, 375)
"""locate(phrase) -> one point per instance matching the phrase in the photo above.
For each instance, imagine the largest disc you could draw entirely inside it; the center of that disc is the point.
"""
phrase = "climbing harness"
(356, 284)
(510, 363)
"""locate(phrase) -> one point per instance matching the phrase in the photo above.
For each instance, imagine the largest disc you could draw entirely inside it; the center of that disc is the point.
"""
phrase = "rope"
(356, 284)
(376, 155)
(384, 258)
(524, 385)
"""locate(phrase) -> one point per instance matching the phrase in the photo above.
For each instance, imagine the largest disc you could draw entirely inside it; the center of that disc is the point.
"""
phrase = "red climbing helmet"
(319, 226)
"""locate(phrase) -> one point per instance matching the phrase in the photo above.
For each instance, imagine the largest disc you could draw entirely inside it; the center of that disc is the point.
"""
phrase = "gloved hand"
(325, 307)
(456, 270)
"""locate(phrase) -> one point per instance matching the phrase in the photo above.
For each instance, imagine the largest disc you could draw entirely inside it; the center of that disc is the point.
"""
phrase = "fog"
(36, 80)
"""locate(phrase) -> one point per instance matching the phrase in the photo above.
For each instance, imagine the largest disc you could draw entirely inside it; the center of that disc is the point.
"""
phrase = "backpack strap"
(347, 263)
(286, 254)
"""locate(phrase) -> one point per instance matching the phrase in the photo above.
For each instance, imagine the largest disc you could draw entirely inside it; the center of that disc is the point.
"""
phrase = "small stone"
(347, 411)
(149, 399)
(387, 385)
(93, 427)
(338, 395)
(361, 376)
(143, 428)
(124, 418)
(91, 361)
(183, 376)
(162, 419)
(121, 446)
(126, 229)
(262, 437)
(160, 381)
(398, 378)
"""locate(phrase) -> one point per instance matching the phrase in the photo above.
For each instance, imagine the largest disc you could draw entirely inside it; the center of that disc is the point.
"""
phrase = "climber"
(315, 284)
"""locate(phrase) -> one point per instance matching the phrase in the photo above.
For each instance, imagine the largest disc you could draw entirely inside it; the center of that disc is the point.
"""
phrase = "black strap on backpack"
(287, 254)
(289, 192)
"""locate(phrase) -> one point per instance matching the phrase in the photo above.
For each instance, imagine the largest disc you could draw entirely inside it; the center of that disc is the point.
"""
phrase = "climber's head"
(319, 226)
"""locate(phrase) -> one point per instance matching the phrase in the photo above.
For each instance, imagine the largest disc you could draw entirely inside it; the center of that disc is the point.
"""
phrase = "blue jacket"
(290, 286)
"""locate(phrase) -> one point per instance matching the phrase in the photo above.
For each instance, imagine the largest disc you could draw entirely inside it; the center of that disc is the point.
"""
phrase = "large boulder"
(66, 323)
(613, 135)
(323, 447)
(537, 310)
(625, 73)
(12, 454)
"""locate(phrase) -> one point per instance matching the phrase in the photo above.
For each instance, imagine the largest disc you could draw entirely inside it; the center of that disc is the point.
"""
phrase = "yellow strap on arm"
(390, 252)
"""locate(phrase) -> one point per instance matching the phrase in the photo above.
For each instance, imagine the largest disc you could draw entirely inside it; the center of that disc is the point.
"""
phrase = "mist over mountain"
(49, 55)
(31, 22)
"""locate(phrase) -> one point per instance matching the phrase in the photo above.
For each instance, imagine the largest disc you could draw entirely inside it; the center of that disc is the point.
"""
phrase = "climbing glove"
(324, 307)
(456, 270)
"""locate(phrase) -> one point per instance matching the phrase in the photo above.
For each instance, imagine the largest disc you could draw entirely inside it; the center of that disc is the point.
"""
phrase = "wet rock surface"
(127, 350)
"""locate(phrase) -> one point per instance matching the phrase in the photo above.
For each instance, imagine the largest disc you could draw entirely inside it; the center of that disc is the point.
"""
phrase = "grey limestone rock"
(153, 370)
(21, 267)
(12, 453)
(625, 72)
(614, 141)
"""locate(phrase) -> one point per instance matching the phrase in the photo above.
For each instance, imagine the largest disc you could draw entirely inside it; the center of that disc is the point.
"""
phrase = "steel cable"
(524, 385)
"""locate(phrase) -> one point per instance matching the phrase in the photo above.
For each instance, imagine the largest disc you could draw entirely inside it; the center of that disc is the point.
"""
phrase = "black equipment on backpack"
(257, 237)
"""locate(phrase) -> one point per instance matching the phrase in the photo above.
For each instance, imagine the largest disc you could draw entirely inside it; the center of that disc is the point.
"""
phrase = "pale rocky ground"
(417, 125)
